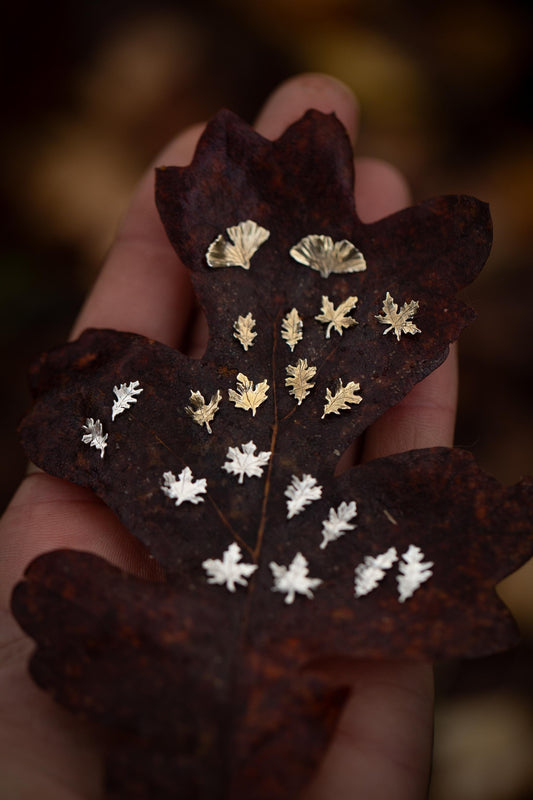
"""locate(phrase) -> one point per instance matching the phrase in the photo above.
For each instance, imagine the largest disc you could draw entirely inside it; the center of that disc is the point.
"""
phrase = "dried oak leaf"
(210, 686)
(204, 680)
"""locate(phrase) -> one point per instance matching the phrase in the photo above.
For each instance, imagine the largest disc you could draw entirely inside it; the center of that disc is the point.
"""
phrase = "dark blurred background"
(92, 90)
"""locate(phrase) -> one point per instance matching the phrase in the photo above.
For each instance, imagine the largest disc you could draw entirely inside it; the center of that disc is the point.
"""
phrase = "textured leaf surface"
(210, 682)
(176, 669)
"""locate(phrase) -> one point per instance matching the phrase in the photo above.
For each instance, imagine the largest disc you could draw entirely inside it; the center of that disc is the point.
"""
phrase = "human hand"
(382, 746)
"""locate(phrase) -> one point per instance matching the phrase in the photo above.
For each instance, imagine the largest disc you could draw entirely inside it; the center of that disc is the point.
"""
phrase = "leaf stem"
(273, 440)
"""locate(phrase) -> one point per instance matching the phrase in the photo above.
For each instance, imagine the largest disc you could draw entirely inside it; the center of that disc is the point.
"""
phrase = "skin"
(382, 746)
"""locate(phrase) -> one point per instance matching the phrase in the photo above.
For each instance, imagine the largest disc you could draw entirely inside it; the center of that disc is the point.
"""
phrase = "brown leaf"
(129, 653)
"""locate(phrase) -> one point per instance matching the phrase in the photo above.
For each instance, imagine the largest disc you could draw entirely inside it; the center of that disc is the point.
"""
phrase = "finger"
(380, 189)
(297, 95)
(382, 745)
(47, 513)
(424, 418)
(143, 287)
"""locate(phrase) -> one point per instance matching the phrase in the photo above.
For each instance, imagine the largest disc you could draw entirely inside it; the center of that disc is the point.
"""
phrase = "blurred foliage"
(92, 90)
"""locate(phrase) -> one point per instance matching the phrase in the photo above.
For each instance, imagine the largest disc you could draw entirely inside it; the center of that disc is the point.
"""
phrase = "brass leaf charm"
(398, 321)
(337, 317)
(245, 239)
(244, 330)
(300, 379)
(247, 396)
(343, 395)
(201, 412)
(291, 328)
(324, 255)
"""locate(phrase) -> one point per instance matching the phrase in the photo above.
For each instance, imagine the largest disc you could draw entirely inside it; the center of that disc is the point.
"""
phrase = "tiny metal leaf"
(248, 396)
(324, 255)
(251, 598)
(244, 461)
(292, 328)
(370, 572)
(337, 318)
(413, 572)
(342, 399)
(398, 321)
(201, 412)
(244, 330)
(229, 570)
(184, 489)
(294, 579)
(125, 395)
(338, 522)
(298, 379)
(94, 435)
(301, 492)
(245, 239)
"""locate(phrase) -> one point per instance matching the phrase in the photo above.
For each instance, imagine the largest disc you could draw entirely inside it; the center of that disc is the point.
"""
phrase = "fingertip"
(180, 151)
(48, 513)
(424, 418)
(143, 287)
(298, 94)
(380, 189)
(142, 219)
(382, 745)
